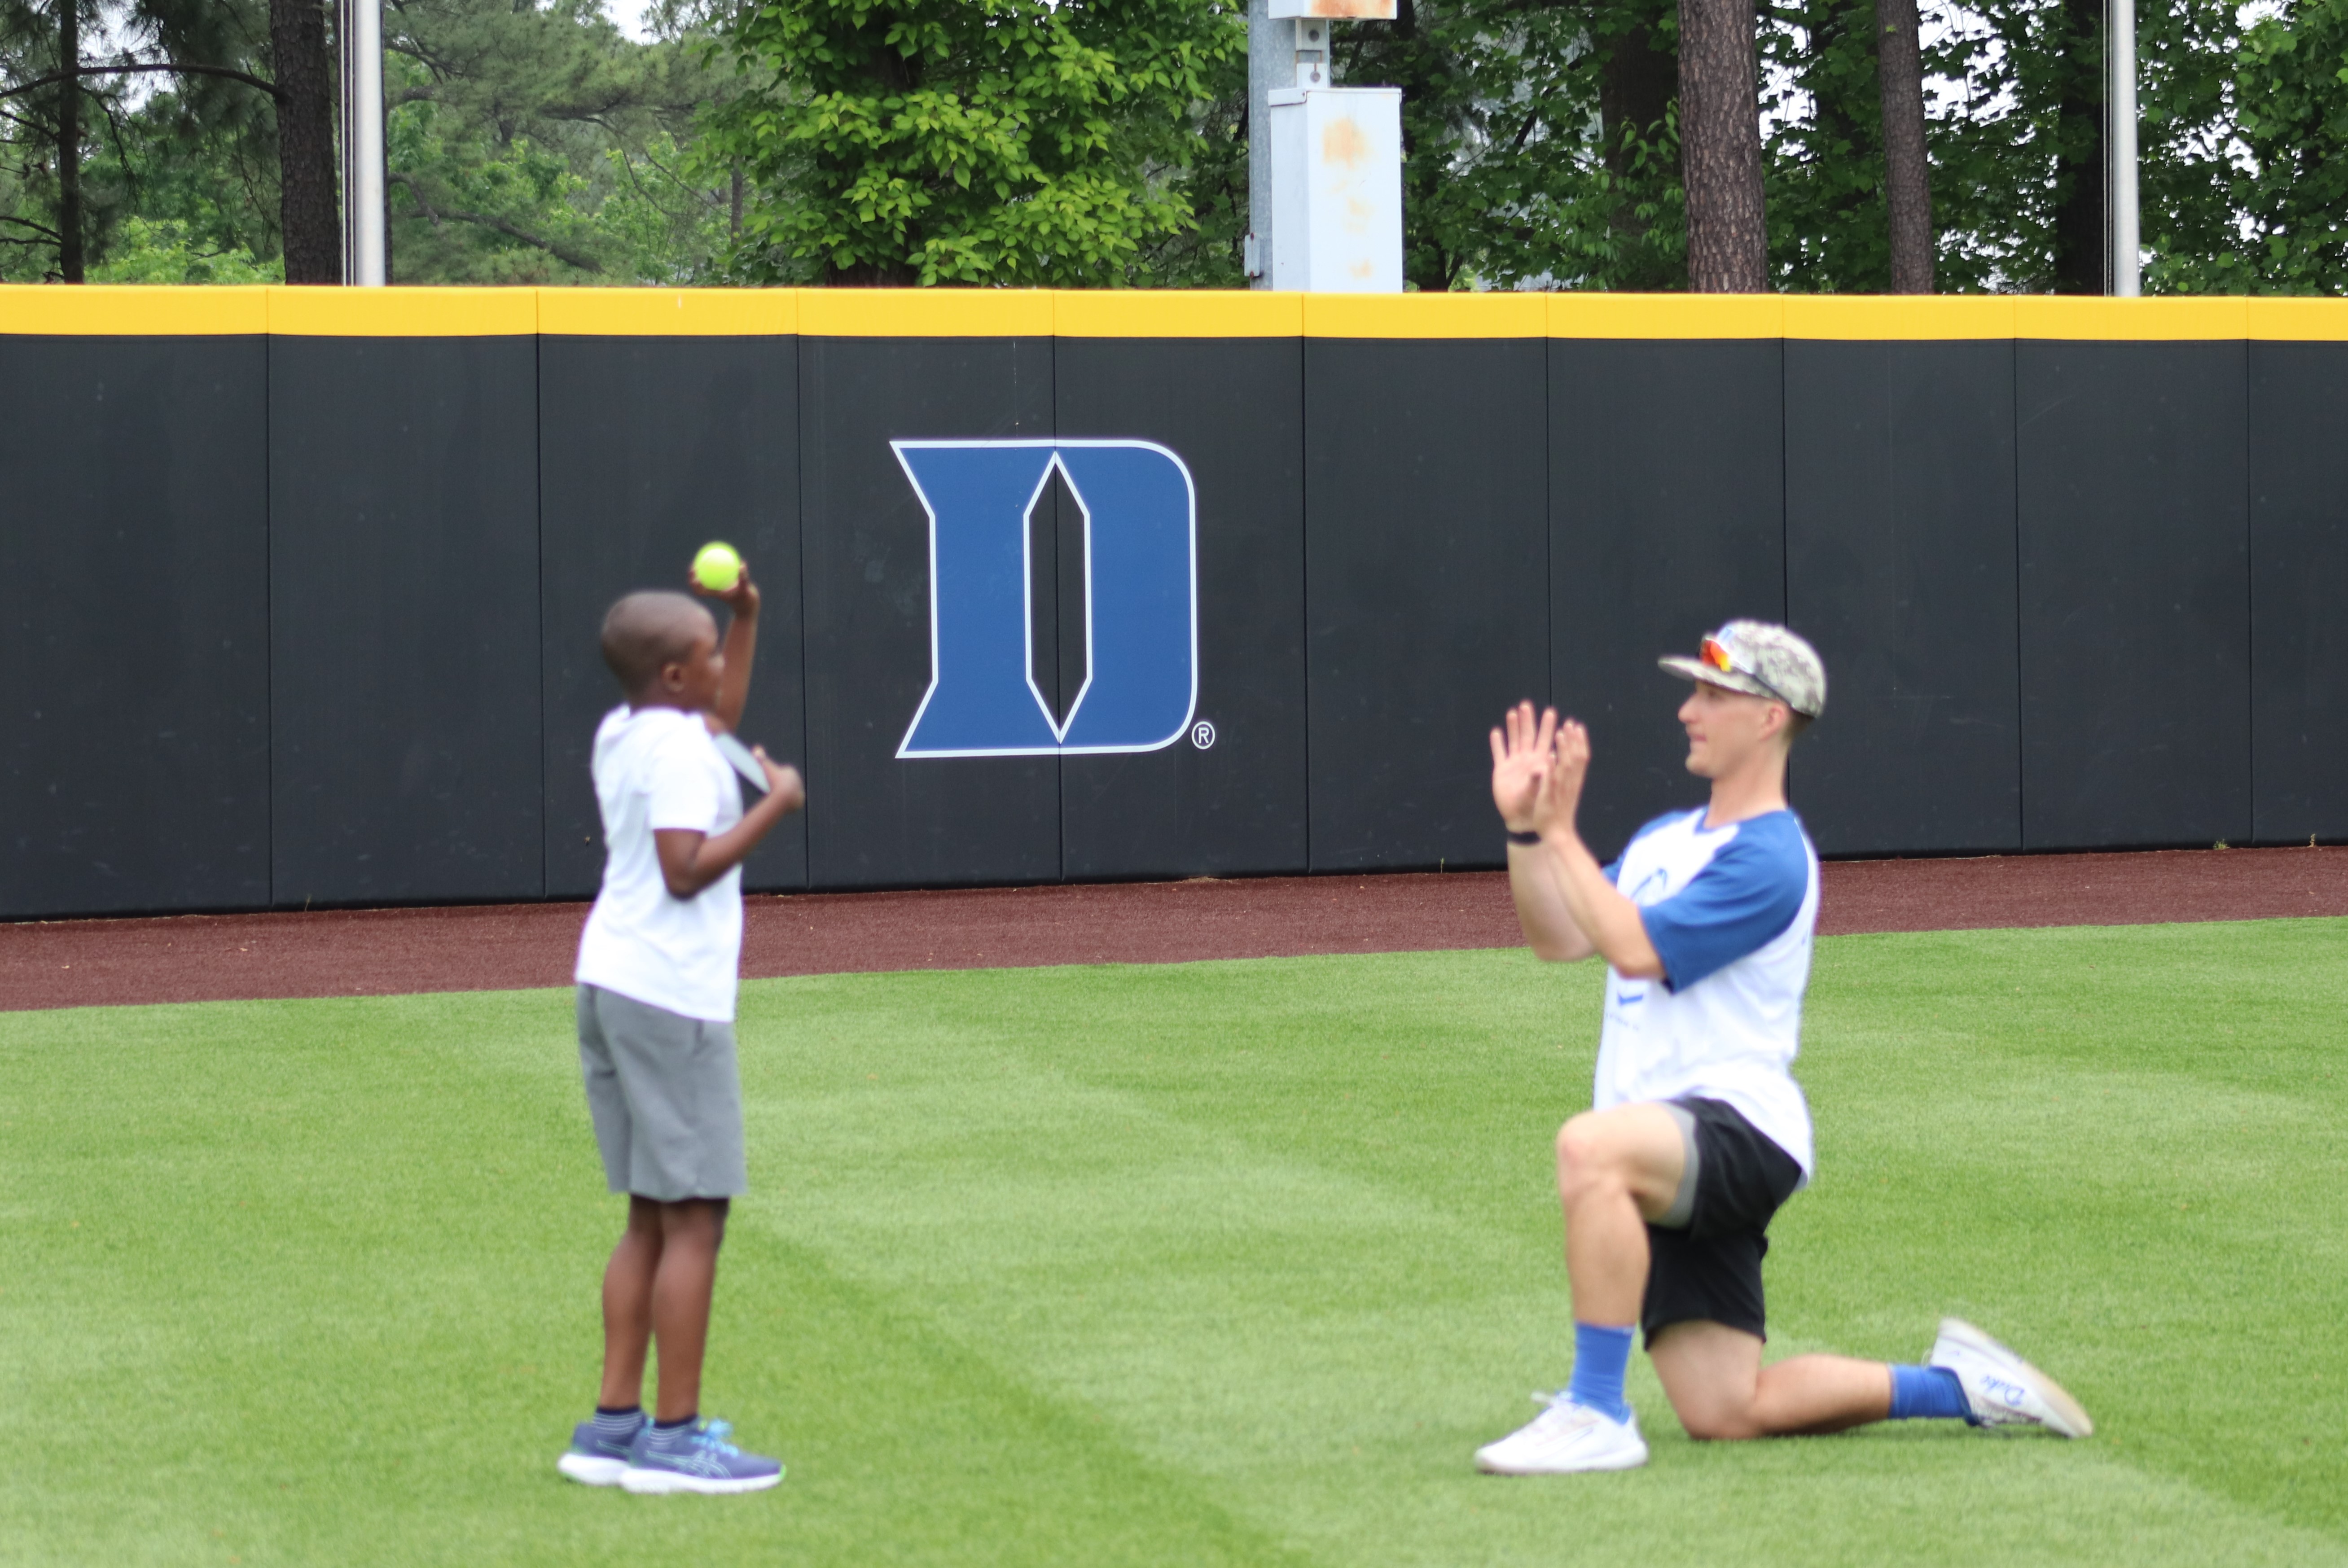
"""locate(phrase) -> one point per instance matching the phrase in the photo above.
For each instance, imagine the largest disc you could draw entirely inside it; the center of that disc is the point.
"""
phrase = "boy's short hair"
(647, 630)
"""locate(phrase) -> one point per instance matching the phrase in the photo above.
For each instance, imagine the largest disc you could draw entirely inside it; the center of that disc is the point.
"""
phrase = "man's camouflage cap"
(1764, 660)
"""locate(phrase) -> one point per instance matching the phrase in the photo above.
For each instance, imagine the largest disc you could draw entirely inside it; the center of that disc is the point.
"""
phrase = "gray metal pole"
(359, 24)
(1271, 63)
(2128, 280)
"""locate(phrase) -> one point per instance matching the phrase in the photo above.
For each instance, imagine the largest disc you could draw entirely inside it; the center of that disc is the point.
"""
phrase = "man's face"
(1725, 728)
(694, 681)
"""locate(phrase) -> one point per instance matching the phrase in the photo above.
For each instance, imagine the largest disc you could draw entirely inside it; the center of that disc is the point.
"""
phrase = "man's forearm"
(1608, 919)
(1547, 925)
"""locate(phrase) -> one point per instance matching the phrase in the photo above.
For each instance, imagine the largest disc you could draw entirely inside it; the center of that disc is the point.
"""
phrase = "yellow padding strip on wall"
(668, 312)
(94, 310)
(97, 309)
(926, 312)
(402, 313)
(1596, 315)
(1176, 313)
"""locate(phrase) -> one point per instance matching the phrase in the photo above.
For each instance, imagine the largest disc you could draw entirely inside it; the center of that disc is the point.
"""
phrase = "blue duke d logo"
(1141, 598)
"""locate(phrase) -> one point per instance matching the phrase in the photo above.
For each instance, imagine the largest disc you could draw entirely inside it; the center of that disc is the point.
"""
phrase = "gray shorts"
(665, 1096)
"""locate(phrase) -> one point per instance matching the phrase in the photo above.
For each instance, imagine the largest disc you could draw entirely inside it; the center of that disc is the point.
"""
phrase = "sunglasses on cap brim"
(1713, 654)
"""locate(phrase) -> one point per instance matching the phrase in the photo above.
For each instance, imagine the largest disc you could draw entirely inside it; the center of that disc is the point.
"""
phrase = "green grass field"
(1198, 1264)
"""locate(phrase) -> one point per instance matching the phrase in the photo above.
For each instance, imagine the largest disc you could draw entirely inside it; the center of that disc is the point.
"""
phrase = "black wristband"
(1527, 839)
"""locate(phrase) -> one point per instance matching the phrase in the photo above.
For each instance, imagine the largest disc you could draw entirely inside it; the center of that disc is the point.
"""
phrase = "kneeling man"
(1697, 1130)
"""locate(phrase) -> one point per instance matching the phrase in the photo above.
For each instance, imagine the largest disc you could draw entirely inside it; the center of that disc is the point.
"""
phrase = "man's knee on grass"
(1712, 1375)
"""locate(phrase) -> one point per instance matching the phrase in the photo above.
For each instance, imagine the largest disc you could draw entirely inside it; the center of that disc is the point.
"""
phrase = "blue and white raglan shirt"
(1731, 911)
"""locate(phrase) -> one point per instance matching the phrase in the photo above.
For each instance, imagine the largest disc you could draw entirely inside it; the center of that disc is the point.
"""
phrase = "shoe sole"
(589, 1470)
(1613, 1462)
(2074, 1419)
(661, 1482)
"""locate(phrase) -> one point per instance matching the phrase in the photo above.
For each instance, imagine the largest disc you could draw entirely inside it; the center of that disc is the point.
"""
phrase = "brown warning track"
(375, 952)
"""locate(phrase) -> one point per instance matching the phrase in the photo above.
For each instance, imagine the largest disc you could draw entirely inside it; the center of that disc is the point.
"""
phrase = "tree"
(1906, 172)
(308, 214)
(968, 141)
(1720, 148)
(531, 142)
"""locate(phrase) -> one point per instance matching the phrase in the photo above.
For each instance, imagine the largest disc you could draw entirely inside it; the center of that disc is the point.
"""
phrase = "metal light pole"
(2127, 280)
(358, 26)
(1271, 64)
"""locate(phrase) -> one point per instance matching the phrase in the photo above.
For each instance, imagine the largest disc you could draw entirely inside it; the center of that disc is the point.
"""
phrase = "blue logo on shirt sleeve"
(1141, 597)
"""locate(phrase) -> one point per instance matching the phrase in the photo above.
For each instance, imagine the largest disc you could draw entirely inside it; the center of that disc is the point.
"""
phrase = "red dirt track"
(376, 952)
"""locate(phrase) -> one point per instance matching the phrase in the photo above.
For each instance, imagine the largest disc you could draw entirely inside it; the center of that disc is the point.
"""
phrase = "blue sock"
(1600, 1356)
(1928, 1392)
(618, 1426)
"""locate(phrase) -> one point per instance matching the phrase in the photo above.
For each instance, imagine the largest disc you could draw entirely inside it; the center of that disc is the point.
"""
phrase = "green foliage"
(169, 251)
(534, 143)
(2271, 213)
(971, 141)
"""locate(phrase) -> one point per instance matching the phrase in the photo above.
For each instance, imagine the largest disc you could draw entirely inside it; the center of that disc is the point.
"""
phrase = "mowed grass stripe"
(1211, 1263)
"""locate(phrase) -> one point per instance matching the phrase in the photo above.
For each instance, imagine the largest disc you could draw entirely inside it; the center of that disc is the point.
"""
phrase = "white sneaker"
(2001, 1388)
(1563, 1438)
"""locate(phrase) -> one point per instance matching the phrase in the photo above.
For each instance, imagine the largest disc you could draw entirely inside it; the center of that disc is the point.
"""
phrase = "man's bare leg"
(1714, 1377)
(1615, 1171)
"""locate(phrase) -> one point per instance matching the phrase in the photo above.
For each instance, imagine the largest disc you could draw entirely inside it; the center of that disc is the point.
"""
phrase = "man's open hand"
(1560, 796)
(1520, 759)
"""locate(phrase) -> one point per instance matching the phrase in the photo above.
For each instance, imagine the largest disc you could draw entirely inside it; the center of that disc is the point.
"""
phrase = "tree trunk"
(1720, 148)
(2080, 153)
(307, 209)
(69, 261)
(1907, 175)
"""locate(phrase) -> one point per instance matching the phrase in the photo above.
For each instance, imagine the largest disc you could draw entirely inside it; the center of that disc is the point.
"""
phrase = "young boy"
(1697, 1130)
(658, 964)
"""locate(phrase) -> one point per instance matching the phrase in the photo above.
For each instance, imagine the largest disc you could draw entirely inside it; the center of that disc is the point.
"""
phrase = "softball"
(717, 567)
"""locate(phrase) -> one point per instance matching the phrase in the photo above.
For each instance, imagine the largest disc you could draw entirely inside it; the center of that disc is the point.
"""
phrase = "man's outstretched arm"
(1520, 755)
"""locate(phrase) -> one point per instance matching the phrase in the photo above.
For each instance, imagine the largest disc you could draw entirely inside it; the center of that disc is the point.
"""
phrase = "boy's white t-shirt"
(658, 768)
(1730, 911)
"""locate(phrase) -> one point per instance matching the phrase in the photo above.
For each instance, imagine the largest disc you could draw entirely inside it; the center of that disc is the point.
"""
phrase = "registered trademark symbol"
(1203, 734)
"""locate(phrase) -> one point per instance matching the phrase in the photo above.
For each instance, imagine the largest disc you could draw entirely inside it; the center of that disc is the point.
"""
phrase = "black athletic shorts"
(1711, 1271)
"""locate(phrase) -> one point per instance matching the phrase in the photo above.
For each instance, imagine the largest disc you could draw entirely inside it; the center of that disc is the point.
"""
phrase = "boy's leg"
(1714, 1377)
(628, 1305)
(691, 1232)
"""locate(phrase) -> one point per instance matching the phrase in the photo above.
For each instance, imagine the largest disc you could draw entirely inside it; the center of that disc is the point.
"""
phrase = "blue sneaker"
(696, 1459)
(593, 1460)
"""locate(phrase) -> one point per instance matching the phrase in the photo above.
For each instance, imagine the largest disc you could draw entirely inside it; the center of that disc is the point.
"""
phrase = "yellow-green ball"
(717, 567)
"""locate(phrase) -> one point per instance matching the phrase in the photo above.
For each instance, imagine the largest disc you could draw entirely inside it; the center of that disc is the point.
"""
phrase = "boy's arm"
(691, 860)
(1610, 920)
(741, 649)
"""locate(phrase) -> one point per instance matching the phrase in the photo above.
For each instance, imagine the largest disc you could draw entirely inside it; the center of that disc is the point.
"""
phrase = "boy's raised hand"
(742, 599)
(1521, 757)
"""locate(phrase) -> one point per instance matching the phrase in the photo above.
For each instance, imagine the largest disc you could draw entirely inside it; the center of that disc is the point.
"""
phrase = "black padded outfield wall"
(134, 622)
(648, 449)
(302, 587)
